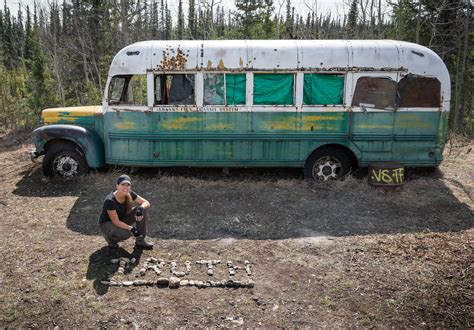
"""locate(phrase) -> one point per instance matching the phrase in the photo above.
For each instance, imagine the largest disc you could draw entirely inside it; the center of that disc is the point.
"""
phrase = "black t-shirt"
(111, 203)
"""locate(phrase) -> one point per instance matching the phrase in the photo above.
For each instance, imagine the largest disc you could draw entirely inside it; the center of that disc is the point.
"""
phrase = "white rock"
(174, 282)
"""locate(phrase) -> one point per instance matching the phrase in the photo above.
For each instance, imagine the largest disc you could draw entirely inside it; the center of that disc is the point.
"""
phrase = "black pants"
(115, 234)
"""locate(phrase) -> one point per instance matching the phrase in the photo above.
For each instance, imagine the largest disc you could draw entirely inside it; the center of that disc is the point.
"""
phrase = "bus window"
(377, 91)
(214, 89)
(234, 89)
(323, 89)
(116, 90)
(158, 90)
(418, 91)
(136, 91)
(174, 89)
(128, 90)
(273, 89)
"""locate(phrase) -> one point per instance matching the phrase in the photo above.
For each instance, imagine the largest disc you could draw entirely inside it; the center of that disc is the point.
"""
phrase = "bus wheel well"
(54, 142)
(349, 152)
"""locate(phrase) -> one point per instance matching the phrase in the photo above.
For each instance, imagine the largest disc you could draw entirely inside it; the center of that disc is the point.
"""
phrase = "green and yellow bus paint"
(325, 106)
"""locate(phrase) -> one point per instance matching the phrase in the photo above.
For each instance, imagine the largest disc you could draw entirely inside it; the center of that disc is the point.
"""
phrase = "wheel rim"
(327, 168)
(66, 166)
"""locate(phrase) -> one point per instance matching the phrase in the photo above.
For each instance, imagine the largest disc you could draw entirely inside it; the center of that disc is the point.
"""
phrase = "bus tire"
(327, 163)
(64, 160)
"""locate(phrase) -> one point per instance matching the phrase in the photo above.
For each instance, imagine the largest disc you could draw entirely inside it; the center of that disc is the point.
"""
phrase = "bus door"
(127, 121)
(373, 113)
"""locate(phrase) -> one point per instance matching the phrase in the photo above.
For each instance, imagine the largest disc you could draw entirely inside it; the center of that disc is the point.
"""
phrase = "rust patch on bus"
(221, 66)
(173, 62)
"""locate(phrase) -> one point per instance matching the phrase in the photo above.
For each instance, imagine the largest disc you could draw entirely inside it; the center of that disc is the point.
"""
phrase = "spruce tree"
(351, 24)
(192, 20)
(180, 31)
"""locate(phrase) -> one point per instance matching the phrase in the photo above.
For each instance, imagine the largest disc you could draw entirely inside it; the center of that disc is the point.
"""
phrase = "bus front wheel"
(64, 160)
(327, 163)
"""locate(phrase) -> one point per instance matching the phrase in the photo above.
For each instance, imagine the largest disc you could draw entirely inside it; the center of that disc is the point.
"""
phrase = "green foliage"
(40, 84)
(92, 94)
(351, 26)
(250, 16)
(180, 31)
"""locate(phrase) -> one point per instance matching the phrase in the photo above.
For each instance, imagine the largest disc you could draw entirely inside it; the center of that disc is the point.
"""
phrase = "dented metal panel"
(270, 55)
(323, 55)
(375, 55)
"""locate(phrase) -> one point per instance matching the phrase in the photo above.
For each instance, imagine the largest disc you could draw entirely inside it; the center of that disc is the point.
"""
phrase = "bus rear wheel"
(327, 163)
(64, 160)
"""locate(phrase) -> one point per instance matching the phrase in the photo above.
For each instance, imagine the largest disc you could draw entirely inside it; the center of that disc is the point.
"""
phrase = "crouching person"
(118, 215)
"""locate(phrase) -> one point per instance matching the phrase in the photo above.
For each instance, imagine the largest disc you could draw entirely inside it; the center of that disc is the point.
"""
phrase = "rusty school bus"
(322, 105)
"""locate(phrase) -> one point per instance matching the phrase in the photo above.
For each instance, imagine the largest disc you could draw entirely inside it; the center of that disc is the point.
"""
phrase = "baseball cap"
(124, 179)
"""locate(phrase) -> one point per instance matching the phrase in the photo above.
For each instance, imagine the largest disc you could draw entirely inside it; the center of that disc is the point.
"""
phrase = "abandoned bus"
(322, 105)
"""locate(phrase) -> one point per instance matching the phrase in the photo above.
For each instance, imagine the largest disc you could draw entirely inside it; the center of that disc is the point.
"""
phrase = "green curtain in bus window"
(235, 88)
(213, 89)
(323, 89)
(274, 89)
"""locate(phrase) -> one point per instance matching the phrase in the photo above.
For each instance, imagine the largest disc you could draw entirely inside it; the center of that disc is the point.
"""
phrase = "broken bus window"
(377, 91)
(175, 89)
(419, 91)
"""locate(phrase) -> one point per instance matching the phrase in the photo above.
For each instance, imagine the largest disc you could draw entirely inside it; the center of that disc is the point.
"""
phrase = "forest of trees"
(58, 54)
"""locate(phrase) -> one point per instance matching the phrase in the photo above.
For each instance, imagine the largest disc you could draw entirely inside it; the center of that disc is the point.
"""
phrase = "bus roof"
(280, 55)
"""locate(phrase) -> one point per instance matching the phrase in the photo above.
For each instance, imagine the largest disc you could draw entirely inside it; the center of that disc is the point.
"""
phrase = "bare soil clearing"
(334, 254)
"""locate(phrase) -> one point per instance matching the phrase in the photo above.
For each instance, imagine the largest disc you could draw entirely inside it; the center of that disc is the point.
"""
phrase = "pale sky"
(335, 7)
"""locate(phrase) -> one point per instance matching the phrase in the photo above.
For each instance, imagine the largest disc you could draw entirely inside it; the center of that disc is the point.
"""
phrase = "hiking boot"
(111, 244)
(141, 243)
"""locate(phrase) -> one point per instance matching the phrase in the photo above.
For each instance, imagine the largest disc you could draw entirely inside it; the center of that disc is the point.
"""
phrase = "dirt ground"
(338, 254)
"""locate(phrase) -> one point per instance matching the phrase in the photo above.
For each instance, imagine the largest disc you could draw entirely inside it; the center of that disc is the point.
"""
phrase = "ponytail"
(128, 203)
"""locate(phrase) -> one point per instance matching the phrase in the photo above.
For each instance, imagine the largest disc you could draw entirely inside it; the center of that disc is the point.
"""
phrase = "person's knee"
(134, 211)
(120, 235)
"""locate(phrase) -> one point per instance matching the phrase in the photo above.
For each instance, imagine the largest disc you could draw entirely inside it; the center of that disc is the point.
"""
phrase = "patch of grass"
(11, 315)
(95, 305)
(368, 317)
(335, 290)
(326, 301)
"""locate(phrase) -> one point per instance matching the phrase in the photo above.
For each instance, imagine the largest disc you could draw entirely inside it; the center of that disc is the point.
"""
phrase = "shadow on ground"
(100, 267)
(263, 204)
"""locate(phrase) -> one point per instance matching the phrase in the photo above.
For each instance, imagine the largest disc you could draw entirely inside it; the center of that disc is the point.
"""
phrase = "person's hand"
(134, 231)
(139, 213)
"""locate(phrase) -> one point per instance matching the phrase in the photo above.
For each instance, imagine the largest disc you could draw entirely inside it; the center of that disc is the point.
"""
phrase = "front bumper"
(34, 155)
